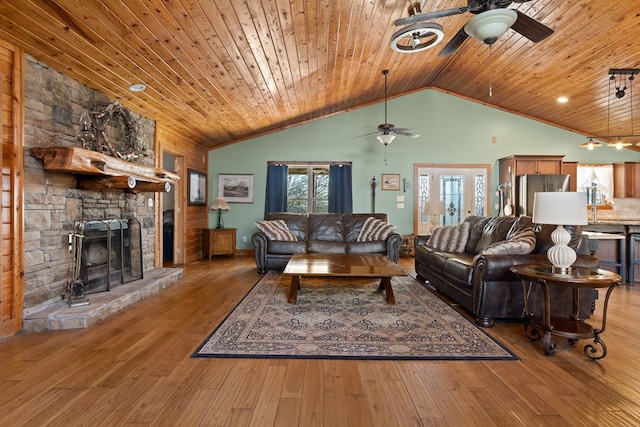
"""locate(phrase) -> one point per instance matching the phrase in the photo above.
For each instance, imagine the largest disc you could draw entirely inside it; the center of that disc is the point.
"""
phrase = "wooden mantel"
(97, 171)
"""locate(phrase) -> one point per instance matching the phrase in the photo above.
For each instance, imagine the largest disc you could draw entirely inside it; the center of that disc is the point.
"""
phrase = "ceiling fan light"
(489, 26)
(386, 139)
(417, 37)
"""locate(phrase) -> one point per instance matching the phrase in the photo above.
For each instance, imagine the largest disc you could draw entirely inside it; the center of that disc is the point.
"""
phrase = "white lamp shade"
(489, 26)
(220, 203)
(560, 208)
(386, 138)
(433, 207)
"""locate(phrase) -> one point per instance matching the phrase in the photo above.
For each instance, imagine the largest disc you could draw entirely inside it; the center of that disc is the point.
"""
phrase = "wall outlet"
(244, 239)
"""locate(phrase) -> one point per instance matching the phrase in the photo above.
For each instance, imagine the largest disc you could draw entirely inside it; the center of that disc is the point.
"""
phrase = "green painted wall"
(452, 130)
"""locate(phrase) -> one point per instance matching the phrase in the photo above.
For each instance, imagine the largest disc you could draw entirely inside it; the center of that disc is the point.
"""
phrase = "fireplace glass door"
(111, 254)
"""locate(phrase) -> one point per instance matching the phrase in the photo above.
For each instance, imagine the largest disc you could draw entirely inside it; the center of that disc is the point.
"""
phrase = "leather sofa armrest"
(394, 241)
(259, 240)
(421, 239)
(494, 267)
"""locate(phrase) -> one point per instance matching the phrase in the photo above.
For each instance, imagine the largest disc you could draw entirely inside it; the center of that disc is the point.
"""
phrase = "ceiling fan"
(491, 21)
(388, 131)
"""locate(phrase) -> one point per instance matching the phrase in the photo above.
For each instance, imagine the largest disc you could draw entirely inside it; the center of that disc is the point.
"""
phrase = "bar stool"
(633, 261)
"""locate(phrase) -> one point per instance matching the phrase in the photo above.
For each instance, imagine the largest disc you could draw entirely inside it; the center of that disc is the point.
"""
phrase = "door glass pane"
(423, 195)
(480, 194)
(452, 192)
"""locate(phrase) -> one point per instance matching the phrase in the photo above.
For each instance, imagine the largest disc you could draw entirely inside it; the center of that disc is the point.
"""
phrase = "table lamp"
(220, 204)
(560, 208)
(433, 209)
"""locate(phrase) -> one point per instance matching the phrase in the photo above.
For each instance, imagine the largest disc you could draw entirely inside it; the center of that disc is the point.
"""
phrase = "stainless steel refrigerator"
(528, 185)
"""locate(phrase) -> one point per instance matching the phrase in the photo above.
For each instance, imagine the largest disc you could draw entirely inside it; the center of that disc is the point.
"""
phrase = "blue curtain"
(276, 194)
(340, 194)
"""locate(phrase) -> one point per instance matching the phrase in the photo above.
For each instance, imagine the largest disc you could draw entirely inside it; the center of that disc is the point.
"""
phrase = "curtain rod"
(307, 163)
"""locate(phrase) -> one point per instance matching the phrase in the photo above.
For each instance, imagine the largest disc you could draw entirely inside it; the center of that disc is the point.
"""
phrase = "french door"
(464, 189)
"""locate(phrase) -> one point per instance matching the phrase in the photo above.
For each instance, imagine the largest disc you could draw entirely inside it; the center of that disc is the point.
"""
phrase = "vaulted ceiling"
(221, 71)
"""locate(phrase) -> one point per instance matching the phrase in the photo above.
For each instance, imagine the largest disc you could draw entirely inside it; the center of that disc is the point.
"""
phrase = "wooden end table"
(342, 265)
(574, 327)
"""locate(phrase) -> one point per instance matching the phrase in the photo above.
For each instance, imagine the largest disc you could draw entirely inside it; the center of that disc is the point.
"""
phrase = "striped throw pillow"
(276, 230)
(521, 243)
(375, 229)
(450, 239)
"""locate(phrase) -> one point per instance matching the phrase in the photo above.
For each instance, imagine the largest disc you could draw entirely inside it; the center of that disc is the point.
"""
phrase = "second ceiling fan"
(491, 21)
(387, 130)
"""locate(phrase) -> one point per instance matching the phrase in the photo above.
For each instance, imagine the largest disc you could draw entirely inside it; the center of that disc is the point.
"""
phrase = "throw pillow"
(520, 243)
(276, 230)
(375, 229)
(450, 239)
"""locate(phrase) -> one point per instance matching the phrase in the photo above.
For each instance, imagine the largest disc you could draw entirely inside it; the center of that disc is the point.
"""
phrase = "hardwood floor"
(135, 369)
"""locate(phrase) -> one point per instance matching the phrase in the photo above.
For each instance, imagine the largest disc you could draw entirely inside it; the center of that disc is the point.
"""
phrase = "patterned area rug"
(348, 319)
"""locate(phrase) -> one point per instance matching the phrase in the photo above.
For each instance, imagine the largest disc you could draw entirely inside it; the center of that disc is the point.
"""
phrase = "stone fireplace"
(54, 205)
(118, 227)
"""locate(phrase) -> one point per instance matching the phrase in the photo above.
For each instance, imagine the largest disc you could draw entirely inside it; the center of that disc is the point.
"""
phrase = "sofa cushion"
(276, 230)
(495, 230)
(476, 225)
(521, 243)
(325, 247)
(326, 228)
(450, 239)
(287, 247)
(375, 229)
(375, 246)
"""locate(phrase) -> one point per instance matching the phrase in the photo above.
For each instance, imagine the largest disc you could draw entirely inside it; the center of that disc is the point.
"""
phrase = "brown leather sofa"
(321, 233)
(484, 284)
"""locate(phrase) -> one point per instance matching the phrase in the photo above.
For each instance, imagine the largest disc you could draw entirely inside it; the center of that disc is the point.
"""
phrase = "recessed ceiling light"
(137, 87)
(563, 99)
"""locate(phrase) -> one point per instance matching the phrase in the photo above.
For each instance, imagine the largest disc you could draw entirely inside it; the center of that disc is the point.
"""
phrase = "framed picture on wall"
(391, 181)
(236, 188)
(197, 188)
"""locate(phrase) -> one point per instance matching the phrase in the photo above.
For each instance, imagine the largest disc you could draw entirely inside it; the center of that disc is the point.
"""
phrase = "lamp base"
(220, 221)
(561, 255)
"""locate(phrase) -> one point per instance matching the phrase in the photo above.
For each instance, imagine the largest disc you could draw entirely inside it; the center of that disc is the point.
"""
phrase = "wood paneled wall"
(188, 220)
(11, 229)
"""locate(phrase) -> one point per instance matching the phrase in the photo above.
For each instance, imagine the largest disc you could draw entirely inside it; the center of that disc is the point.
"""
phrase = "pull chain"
(490, 71)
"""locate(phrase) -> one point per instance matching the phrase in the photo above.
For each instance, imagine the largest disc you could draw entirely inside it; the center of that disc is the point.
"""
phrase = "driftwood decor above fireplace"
(97, 171)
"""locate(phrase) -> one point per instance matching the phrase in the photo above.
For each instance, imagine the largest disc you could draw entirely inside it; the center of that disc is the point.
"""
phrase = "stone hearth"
(101, 305)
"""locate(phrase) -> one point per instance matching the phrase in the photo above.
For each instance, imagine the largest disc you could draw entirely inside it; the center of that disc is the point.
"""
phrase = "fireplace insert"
(111, 254)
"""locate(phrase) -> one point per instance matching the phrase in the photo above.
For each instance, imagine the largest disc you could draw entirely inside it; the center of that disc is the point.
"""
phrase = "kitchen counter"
(628, 246)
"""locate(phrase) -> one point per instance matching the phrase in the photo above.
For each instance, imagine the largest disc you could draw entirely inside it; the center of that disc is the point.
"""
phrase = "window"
(308, 188)
(597, 181)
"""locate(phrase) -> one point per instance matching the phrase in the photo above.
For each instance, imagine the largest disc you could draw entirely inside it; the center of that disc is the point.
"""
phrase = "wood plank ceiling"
(222, 71)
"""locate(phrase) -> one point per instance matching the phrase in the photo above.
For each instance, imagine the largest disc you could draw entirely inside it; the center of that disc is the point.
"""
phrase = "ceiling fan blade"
(454, 43)
(366, 134)
(420, 17)
(530, 28)
(405, 132)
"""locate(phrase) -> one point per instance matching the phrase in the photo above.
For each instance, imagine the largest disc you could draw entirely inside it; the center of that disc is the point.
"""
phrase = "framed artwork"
(236, 188)
(197, 188)
(391, 181)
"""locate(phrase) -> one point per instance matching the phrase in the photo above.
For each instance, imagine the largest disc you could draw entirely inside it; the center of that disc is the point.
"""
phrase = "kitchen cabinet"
(218, 241)
(525, 165)
(571, 169)
(626, 179)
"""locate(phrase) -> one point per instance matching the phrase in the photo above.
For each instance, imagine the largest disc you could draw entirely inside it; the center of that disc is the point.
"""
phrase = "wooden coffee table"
(342, 265)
